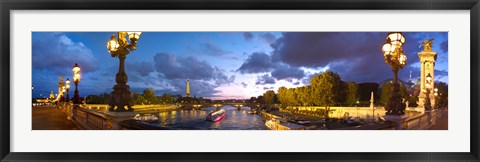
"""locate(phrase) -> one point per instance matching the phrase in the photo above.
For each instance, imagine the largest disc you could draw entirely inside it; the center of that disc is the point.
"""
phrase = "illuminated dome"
(390, 81)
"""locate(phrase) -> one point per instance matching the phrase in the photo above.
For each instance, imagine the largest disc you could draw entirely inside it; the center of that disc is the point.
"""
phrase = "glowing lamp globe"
(396, 38)
(112, 45)
(429, 77)
(134, 35)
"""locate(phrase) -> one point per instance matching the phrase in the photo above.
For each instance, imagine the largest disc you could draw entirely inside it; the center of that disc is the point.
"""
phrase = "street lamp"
(68, 88)
(76, 79)
(62, 90)
(396, 59)
(428, 86)
(121, 48)
(436, 98)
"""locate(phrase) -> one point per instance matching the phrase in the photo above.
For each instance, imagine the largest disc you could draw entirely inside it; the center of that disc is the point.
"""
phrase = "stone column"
(427, 66)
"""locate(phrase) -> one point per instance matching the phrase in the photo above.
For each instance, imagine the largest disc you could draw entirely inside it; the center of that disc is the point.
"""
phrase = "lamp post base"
(399, 120)
(394, 105)
(121, 100)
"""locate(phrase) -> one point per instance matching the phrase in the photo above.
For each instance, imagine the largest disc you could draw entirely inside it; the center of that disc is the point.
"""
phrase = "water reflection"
(195, 119)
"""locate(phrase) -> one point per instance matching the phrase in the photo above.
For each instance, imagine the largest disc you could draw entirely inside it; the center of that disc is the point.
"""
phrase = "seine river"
(195, 120)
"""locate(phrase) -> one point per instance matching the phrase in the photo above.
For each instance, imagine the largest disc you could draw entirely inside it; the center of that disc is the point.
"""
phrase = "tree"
(291, 97)
(149, 95)
(387, 90)
(282, 96)
(166, 99)
(412, 100)
(140, 100)
(365, 90)
(260, 100)
(442, 94)
(308, 92)
(270, 97)
(252, 100)
(301, 95)
(352, 93)
(326, 89)
(103, 98)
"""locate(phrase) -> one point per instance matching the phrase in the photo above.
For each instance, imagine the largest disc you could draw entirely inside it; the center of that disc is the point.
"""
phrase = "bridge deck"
(50, 118)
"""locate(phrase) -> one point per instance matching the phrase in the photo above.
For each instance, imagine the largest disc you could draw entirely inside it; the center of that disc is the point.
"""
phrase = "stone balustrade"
(87, 118)
(415, 118)
(92, 119)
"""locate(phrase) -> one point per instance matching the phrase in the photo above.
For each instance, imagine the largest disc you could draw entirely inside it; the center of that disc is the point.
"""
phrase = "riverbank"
(320, 123)
(136, 108)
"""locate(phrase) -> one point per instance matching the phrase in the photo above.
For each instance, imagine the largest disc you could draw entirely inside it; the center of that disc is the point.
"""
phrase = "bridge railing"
(86, 118)
(422, 121)
(90, 119)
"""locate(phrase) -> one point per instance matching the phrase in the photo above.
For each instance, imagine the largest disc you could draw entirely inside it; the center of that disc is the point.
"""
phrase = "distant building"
(390, 81)
(188, 89)
(52, 96)
(410, 83)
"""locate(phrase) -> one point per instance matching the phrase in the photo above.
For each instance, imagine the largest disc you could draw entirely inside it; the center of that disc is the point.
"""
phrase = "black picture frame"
(9, 5)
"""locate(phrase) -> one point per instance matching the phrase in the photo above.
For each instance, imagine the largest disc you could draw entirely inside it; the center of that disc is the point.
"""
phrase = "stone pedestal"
(116, 117)
(427, 65)
(430, 117)
(399, 120)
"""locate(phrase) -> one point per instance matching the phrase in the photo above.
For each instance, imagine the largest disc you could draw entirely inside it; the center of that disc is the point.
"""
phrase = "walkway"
(442, 123)
(50, 118)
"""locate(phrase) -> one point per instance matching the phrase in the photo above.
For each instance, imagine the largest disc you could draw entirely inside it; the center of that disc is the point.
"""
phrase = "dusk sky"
(223, 65)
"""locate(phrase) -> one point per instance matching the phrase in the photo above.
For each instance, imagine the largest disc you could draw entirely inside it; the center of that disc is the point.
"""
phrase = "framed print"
(239, 81)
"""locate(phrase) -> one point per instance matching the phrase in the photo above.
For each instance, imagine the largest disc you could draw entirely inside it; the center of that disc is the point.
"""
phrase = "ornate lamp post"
(396, 59)
(436, 98)
(60, 85)
(67, 87)
(76, 79)
(63, 92)
(428, 86)
(121, 48)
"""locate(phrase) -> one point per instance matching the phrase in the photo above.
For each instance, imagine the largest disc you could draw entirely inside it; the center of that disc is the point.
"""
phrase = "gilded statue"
(427, 44)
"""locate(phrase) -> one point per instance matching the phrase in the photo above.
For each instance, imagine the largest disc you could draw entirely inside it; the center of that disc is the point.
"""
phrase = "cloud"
(142, 73)
(444, 46)
(244, 84)
(256, 63)
(268, 88)
(197, 88)
(284, 71)
(265, 79)
(142, 68)
(221, 78)
(183, 68)
(212, 49)
(354, 56)
(261, 62)
(58, 53)
(318, 49)
(268, 38)
(248, 36)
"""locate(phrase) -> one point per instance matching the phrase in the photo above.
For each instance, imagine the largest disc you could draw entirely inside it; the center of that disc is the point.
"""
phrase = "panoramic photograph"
(311, 81)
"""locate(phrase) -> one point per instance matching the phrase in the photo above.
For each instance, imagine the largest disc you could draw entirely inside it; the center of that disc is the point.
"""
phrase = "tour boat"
(216, 115)
(271, 124)
(303, 122)
(253, 111)
(150, 118)
(282, 124)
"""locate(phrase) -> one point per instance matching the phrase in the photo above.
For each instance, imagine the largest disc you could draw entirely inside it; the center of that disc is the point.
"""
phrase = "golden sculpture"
(427, 44)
